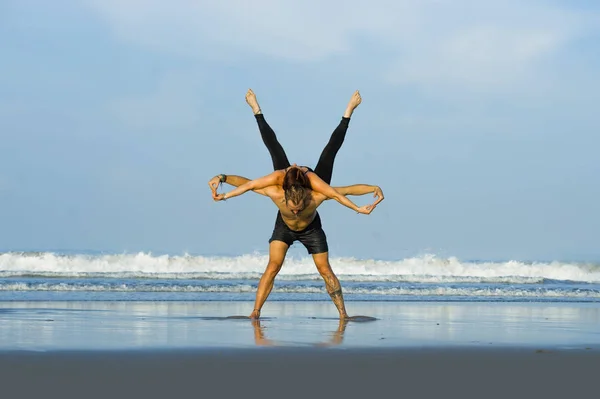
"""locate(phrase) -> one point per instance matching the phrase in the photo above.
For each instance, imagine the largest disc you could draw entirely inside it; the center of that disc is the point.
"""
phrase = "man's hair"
(295, 185)
(296, 194)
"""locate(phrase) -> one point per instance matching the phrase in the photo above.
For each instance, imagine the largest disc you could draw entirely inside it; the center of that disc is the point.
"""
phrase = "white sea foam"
(427, 268)
(420, 291)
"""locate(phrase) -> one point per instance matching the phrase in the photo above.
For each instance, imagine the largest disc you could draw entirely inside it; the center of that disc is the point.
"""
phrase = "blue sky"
(479, 121)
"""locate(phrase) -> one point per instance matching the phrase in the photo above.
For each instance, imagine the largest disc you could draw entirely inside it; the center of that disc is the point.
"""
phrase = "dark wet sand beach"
(187, 349)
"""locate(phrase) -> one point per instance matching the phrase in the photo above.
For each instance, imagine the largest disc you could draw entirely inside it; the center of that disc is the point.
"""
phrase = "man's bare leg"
(277, 252)
(253, 102)
(354, 102)
(334, 288)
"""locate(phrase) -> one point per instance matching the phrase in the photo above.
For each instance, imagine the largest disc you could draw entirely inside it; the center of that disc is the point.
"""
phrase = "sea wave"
(427, 268)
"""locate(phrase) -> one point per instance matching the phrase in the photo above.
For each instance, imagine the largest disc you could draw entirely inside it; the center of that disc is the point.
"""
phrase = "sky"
(479, 121)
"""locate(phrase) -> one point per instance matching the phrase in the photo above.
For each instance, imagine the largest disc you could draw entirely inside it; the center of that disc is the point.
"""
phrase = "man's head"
(296, 187)
(296, 197)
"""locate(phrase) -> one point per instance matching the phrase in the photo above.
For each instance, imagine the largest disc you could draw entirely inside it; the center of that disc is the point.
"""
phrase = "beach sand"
(414, 349)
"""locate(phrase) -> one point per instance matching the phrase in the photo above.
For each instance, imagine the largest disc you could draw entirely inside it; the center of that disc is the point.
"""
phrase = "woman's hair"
(295, 177)
(295, 185)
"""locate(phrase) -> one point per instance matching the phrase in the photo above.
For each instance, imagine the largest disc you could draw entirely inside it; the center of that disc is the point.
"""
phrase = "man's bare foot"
(252, 102)
(355, 100)
(255, 315)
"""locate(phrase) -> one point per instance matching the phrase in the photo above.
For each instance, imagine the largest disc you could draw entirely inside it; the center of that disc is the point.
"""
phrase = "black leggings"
(324, 168)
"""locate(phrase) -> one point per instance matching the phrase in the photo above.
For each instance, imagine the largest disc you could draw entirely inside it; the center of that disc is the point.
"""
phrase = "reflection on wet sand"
(146, 325)
(337, 336)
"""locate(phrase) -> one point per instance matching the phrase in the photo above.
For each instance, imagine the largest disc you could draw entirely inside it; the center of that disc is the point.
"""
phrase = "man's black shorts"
(312, 237)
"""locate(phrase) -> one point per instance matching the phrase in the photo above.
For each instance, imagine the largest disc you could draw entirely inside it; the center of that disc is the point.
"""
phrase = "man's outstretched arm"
(233, 180)
(362, 189)
(252, 185)
(320, 186)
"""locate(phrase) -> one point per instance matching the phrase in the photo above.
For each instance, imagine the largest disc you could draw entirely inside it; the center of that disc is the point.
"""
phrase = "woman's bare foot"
(252, 102)
(355, 100)
(255, 315)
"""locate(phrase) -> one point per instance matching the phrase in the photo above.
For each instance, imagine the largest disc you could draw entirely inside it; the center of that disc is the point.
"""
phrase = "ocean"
(44, 276)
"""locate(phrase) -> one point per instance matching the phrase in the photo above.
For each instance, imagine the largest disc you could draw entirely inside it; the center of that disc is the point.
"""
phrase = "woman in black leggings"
(324, 168)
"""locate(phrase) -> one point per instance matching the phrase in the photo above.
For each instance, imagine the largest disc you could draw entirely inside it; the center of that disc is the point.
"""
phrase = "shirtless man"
(298, 220)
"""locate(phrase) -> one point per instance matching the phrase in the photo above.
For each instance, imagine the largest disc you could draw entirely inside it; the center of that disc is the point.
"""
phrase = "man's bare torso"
(302, 219)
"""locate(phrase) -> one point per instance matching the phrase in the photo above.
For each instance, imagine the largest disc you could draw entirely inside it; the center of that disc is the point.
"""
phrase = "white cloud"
(477, 58)
(476, 45)
(302, 31)
(500, 46)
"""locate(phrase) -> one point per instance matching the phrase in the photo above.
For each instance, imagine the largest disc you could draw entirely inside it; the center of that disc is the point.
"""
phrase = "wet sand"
(176, 349)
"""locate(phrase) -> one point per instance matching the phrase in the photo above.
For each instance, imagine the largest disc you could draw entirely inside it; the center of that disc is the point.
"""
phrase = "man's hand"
(377, 193)
(366, 210)
(218, 197)
(214, 184)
